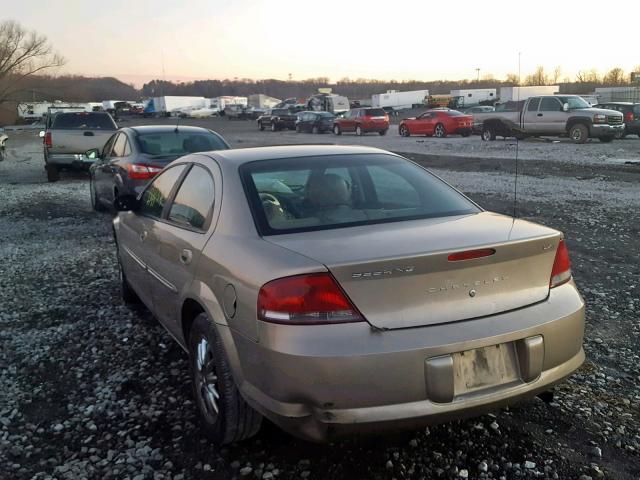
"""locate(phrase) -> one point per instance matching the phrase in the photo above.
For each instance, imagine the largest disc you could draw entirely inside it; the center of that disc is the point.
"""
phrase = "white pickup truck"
(69, 135)
(549, 115)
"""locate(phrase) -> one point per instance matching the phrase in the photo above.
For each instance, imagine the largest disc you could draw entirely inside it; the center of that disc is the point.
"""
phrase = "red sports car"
(438, 122)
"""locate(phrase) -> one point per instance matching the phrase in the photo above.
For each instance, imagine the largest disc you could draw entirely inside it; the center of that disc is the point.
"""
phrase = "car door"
(107, 167)
(177, 243)
(136, 228)
(349, 122)
(531, 117)
(97, 168)
(553, 118)
(425, 124)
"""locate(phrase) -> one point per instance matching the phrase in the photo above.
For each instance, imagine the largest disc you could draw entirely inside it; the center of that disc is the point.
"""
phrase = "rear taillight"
(141, 171)
(48, 142)
(305, 300)
(561, 272)
(628, 117)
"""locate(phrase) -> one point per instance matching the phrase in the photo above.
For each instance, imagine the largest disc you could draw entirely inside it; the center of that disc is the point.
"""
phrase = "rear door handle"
(186, 256)
(143, 236)
(88, 134)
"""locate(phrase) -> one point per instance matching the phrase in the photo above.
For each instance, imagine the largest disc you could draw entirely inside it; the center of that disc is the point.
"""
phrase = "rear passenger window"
(156, 194)
(194, 200)
(119, 146)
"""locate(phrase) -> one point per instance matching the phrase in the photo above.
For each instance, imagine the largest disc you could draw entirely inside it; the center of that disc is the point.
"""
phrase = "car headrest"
(328, 190)
(196, 144)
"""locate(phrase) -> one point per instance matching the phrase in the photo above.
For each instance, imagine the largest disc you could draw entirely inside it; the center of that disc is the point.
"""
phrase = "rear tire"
(224, 415)
(53, 174)
(261, 126)
(382, 133)
(315, 129)
(465, 134)
(298, 129)
(439, 131)
(404, 131)
(579, 133)
(337, 130)
(274, 128)
(359, 130)
(488, 134)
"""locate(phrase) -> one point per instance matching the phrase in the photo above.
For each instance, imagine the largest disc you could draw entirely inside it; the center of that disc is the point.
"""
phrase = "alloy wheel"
(207, 380)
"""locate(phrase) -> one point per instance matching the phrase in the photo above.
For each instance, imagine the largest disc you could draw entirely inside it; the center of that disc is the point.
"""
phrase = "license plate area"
(485, 368)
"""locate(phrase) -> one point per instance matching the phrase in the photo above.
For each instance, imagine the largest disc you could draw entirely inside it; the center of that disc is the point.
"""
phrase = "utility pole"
(478, 72)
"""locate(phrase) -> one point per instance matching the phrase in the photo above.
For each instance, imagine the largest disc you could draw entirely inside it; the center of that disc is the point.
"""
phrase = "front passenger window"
(157, 193)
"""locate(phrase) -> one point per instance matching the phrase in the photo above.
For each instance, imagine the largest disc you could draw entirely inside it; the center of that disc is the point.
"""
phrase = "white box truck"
(399, 100)
(470, 97)
(220, 103)
(513, 94)
(173, 105)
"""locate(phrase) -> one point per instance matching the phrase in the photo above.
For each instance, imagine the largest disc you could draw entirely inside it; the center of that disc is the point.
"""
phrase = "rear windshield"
(84, 121)
(455, 113)
(169, 144)
(319, 193)
(375, 112)
(280, 111)
(636, 109)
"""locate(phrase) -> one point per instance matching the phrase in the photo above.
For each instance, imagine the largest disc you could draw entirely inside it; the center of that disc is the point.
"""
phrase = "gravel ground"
(92, 389)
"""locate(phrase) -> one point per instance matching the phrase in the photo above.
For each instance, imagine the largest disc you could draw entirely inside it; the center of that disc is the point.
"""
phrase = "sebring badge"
(384, 273)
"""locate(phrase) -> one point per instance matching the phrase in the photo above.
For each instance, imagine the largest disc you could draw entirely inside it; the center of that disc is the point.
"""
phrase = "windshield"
(318, 193)
(636, 109)
(171, 143)
(83, 121)
(575, 102)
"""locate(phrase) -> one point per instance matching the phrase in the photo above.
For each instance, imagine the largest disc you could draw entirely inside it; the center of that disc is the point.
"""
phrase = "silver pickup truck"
(549, 115)
(69, 135)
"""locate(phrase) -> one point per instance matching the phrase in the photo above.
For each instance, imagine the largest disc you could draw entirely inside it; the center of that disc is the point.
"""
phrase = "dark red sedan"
(437, 122)
(361, 121)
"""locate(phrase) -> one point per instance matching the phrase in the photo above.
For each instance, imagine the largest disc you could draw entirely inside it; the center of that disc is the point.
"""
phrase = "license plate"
(484, 368)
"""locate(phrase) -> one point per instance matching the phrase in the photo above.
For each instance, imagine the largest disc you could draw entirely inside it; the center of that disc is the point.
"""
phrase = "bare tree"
(615, 76)
(22, 54)
(539, 77)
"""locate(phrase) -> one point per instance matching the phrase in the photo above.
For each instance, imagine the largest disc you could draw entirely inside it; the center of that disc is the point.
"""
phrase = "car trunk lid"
(401, 275)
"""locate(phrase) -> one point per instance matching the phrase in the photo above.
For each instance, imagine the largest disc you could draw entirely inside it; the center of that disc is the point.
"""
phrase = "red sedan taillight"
(561, 271)
(142, 171)
(48, 142)
(311, 299)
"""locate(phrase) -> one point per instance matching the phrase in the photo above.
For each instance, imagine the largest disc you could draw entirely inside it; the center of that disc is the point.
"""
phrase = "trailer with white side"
(399, 100)
(38, 110)
(515, 94)
(470, 97)
(172, 104)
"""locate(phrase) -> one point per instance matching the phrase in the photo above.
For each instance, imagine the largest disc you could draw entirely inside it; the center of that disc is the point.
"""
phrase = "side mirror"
(126, 203)
(565, 107)
(41, 134)
(92, 154)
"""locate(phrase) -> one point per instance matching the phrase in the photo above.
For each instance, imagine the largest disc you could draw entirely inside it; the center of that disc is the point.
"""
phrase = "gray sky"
(399, 40)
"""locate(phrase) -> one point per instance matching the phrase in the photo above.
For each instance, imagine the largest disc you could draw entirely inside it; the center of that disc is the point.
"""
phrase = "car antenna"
(177, 124)
(515, 182)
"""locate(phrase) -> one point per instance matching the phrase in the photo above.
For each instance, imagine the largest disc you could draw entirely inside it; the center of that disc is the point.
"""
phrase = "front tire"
(298, 129)
(404, 131)
(315, 129)
(579, 133)
(53, 174)
(261, 126)
(358, 130)
(95, 201)
(274, 128)
(224, 415)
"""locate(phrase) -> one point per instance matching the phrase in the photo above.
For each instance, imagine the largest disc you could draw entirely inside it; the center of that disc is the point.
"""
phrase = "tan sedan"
(339, 289)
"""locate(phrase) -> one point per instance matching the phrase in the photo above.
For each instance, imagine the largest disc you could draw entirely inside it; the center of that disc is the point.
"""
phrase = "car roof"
(150, 129)
(616, 103)
(240, 156)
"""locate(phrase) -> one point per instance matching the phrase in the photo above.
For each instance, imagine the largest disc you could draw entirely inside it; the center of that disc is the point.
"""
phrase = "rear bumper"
(606, 130)
(322, 381)
(69, 160)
